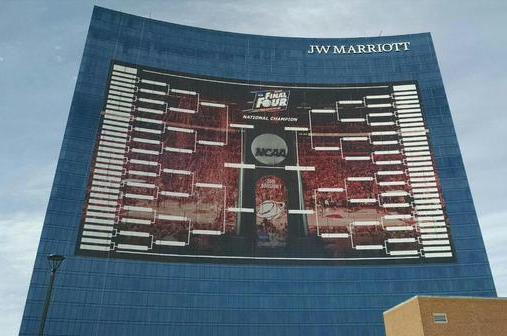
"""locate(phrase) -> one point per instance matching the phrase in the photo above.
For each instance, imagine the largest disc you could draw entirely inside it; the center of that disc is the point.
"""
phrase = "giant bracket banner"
(189, 168)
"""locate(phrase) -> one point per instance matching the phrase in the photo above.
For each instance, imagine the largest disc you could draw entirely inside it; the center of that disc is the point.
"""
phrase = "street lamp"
(54, 263)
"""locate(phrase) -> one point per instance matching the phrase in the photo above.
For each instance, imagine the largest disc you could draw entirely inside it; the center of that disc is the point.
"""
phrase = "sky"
(41, 43)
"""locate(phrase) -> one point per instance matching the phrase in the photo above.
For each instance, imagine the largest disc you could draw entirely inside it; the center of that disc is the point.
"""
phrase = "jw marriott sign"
(358, 48)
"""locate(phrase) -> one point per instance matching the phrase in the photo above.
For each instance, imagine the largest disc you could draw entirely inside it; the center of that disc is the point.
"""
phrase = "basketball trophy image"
(270, 209)
(271, 212)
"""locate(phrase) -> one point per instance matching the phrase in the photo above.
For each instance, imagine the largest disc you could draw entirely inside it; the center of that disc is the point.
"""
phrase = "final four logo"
(270, 101)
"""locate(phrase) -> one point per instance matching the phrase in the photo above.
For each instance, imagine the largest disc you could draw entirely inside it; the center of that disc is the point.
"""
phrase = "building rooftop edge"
(100, 8)
(444, 297)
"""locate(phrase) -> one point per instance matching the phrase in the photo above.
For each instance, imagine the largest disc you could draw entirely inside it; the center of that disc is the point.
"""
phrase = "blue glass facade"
(98, 296)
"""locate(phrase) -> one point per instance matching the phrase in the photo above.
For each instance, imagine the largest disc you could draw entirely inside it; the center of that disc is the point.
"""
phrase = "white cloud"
(19, 235)
(494, 231)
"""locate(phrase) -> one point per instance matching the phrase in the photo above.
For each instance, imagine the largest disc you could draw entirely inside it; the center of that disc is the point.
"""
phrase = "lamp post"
(54, 263)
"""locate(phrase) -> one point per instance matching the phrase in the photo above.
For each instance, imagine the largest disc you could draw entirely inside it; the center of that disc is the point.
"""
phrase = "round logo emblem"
(270, 209)
(269, 149)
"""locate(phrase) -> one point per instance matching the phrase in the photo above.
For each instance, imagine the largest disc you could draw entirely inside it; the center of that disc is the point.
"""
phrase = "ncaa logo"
(269, 149)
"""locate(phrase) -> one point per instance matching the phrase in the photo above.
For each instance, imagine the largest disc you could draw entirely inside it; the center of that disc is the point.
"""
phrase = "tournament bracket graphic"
(191, 168)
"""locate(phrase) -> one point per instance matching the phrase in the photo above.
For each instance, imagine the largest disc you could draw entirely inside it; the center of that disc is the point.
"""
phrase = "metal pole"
(46, 302)
(55, 261)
